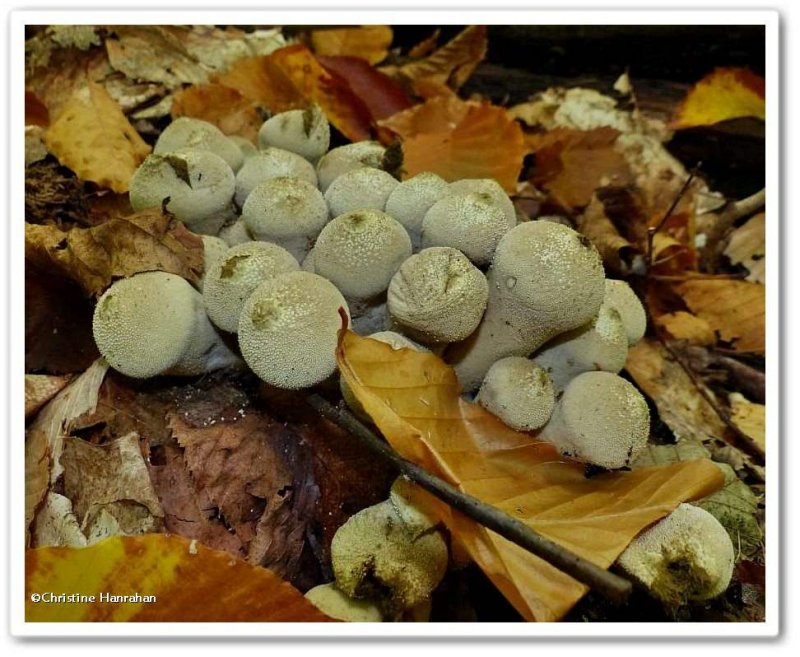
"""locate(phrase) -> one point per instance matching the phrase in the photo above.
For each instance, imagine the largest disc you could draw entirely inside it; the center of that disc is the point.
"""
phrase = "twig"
(652, 230)
(611, 586)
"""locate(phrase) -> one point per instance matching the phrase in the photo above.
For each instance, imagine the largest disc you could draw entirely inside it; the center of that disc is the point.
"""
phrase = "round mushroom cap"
(143, 325)
(305, 132)
(359, 189)
(438, 295)
(271, 163)
(308, 262)
(623, 299)
(602, 419)
(332, 602)
(360, 251)
(245, 146)
(346, 158)
(519, 392)
(404, 496)
(235, 233)
(375, 554)
(199, 185)
(185, 132)
(287, 211)
(686, 557)
(490, 187)
(471, 223)
(213, 249)
(234, 277)
(288, 330)
(412, 198)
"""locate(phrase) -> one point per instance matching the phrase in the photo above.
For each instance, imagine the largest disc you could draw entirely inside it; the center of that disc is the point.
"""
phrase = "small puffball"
(411, 200)
(686, 557)
(213, 249)
(519, 392)
(235, 233)
(245, 146)
(471, 223)
(359, 189)
(199, 186)
(185, 132)
(287, 211)
(305, 132)
(346, 158)
(308, 262)
(402, 497)
(486, 186)
(438, 295)
(601, 419)
(623, 299)
(232, 279)
(271, 163)
(332, 602)
(288, 330)
(360, 251)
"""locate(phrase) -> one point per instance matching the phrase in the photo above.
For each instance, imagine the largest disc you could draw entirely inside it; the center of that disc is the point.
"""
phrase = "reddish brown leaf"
(226, 108)
(35, 110)
(370, 43)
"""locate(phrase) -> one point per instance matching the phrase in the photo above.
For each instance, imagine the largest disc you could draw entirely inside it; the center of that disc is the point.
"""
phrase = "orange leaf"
(189, 582)
(35, 110)
(226, 108)
(414, 399)
(292, 78)
(727, 93)
(369, 42)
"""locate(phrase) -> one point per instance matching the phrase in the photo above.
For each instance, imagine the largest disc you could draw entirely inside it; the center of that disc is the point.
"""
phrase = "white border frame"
(18, 20)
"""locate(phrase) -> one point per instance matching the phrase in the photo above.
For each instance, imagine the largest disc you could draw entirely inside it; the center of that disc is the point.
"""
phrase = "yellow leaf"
(370, 42)
(414, 399)
(190, 582)
(747, 247)
(749, 417)
(92, 137)
(685, 326)
(727, 93)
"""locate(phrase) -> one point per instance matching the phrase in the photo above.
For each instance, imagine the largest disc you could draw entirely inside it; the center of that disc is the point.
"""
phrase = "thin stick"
(611, 586)
(651, 232)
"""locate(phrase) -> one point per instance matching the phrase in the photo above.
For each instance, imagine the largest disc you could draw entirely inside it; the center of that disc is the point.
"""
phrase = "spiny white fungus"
(305, 132)
(359, 189)
(271, 163)
(519, 392)
(623, 299)
(185, 132)
(412, 198)
(346, 158)
(490, 187)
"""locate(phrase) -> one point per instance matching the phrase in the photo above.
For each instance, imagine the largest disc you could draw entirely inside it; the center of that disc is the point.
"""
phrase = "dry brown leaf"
(617, 252)
(40, 389)
(414, 399)
(724, 94)
(439, 114)
(93, 257)
(56, 524)
(226, 108)
(92, 137)
(685, 326)
(747, 247)
(735, 309)
(425, 46)
(749, 417)
(189, 581)
(369, 42)
(680, 405)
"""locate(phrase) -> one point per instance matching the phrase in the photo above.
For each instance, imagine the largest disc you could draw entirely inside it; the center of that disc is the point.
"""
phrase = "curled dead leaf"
(747, 247)
(367, 42)
(726, 93)
(617, 252)
(40, 389)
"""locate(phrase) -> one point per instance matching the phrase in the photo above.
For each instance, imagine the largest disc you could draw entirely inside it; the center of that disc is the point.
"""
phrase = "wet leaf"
(189, 581)
(414, 399)
(726, 93)
(747, 248)
(40, 389)
(222, 106)
(369, 42)
(118, 248)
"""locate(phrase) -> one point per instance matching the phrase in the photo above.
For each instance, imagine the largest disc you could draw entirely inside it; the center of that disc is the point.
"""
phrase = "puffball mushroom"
(375, 554)
(471, 223)
(288, 330)
(305, 132)
(185, 132)
(545, 279)
(623, 299)
(519, 392)
(600, 345)
(235, 233)
(360, 251)
(401, 497)
(438, 295)
(245, 146)
(359, 189)
(271, 163)
(199, 185)
(332, 602)
(155, 323)
(213, 249)
(287, 211)
(346, 158)
(601, 419)
(489, 187)
(234, 277)
(411, 200)
(686, 557)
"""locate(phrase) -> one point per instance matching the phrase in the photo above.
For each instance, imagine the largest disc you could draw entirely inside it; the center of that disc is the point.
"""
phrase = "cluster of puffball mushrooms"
(293, 232)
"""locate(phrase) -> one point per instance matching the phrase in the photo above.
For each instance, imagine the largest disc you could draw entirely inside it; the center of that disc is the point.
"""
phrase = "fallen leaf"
(425, 46)
(680, 405)
(617, 252)
(749, 417)
(93, 257)
(40, 389)
(414, 399)
(724, 94)
(53, 194)
(685, 326)
(222, 106)
(735, 309)
(56, 525)
(35, 111)
(439, 114)
(92, 137)
(369, 42)
(683, 450)
(189, 582)
(747, 247)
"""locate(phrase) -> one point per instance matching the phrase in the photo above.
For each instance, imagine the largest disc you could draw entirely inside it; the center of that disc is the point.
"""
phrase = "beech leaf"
(368, 42)
(724, 94)
(222, 106)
